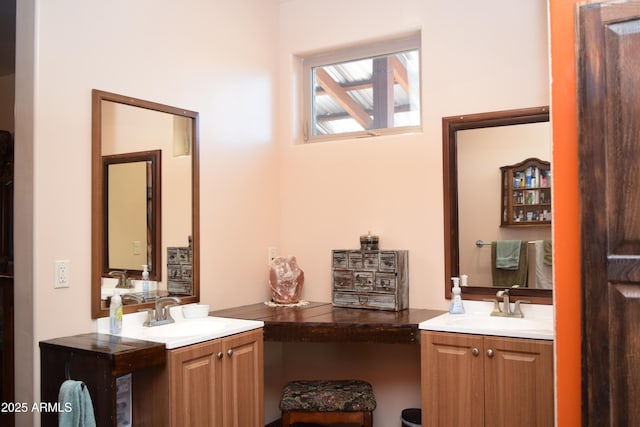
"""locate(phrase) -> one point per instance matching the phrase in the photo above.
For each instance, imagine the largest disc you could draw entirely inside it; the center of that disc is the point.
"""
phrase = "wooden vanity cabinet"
(217, 383)
(474, 380)
(99, 360)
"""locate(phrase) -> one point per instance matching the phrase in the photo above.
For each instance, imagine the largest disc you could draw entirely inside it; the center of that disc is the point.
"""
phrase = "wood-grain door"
(243, 380)
(609, 154)
(452, 380)
(196, 385)
(518, 382)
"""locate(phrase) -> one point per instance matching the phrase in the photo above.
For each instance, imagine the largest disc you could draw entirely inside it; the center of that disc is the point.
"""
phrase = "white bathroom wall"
(476, 57)
(216, 57)
(232, 61)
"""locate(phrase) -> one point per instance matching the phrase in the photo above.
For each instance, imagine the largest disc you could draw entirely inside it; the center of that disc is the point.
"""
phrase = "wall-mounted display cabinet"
(526, 193)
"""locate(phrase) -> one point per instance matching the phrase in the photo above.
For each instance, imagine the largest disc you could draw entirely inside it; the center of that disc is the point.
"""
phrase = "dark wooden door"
(609, 154)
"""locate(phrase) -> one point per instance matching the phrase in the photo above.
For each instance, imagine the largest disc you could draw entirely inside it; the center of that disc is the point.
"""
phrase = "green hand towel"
(508, 254)
(548, 252)
(76, 409)
(507, 278)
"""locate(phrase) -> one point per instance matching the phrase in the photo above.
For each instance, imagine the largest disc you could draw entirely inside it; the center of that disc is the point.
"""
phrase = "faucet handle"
(517, 311)
(496, 306)
(150, 317)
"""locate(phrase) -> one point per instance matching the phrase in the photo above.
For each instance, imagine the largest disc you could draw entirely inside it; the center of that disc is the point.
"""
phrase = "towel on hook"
(548, 252)
(544, 271)
(507, 278)
(508, 254)
(76, 408)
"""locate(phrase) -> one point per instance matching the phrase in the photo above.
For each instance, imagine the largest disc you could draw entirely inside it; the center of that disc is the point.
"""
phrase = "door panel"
(609, 154)
(453, 377)
(519, 382)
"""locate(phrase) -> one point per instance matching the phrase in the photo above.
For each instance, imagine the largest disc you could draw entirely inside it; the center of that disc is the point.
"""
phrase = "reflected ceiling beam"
(400, 74)
(383, 83)
(342, 115)
(342, 97)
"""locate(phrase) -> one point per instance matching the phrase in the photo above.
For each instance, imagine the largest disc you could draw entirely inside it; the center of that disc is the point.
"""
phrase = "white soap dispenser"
(145, 281)
(115, 313)
(456, 306)
(463, 280)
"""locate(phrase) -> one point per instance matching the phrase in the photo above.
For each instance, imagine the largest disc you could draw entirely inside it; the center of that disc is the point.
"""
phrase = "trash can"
(411, 417)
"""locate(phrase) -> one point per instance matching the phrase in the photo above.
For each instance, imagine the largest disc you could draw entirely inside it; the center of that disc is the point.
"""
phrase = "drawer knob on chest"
(219, 355)
(230, 352)
(475, 351)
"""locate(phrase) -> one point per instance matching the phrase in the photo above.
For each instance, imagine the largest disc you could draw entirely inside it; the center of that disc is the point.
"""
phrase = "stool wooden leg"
(368, 419)
(286, 421)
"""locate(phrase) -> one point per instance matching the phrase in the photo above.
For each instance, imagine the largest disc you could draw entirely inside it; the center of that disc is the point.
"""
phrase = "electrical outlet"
(271, 254)
(137, 246)
(62, 274)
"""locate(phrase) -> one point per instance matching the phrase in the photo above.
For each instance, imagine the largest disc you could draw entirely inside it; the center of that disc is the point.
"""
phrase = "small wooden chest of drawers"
(376, 279)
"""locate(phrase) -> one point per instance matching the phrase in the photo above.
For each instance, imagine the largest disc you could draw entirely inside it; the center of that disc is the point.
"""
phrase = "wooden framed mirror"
(453, 126)
(132, 203)
(160, 143)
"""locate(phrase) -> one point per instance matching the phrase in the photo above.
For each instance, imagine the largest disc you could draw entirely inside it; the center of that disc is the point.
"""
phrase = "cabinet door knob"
(230, 352)
(490, 353)
(219, 355)
(475, 351)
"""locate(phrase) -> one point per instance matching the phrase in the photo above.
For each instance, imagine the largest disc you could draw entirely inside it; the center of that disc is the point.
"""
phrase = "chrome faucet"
(505, 310)
(162, 313)
(123, 280)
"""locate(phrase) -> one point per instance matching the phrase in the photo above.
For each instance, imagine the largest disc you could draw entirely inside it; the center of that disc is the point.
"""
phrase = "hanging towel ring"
(67, 367)
(67, 370)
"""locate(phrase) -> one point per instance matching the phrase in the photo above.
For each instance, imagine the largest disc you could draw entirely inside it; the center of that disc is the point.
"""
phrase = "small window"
(367, 90)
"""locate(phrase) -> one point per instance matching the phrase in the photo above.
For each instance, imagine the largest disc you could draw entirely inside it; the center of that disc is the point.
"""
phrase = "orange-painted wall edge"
(566, 220)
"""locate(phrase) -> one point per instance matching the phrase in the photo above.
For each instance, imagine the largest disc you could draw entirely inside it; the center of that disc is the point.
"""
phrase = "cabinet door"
(243, 380)
(196, 385)
(518, 382)
(452, 380)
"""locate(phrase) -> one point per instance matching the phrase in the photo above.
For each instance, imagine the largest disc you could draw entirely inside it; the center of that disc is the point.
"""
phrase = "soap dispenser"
(456, 306)
(463, 280)
(145, 281)
(115, 313)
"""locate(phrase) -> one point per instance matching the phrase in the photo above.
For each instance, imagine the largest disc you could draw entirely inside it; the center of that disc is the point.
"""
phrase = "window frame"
(370, 49)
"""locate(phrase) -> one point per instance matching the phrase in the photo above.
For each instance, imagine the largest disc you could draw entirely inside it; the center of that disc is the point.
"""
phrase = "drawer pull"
(219, 355)
(230, 352)
(490, 353)
(475, 351)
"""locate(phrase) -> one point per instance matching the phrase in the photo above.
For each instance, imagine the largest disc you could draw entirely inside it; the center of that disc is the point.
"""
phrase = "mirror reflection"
(483, 154)
(145, 198)
(132, 191)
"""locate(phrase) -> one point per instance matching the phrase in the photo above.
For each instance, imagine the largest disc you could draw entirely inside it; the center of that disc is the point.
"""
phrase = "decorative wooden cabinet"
(99, 360)
(218, 383)
(375, 279)
(475, 380)
(526, 193)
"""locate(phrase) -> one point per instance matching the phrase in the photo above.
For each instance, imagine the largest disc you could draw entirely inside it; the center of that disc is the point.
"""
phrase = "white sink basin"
(183, 331)
(537, 323)
(184, 328)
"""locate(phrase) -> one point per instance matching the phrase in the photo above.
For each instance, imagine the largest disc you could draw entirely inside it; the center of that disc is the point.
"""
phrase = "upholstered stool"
(327, 402)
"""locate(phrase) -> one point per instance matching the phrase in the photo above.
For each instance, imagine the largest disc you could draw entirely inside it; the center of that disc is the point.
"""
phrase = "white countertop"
(538, 322)
(183, 332)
